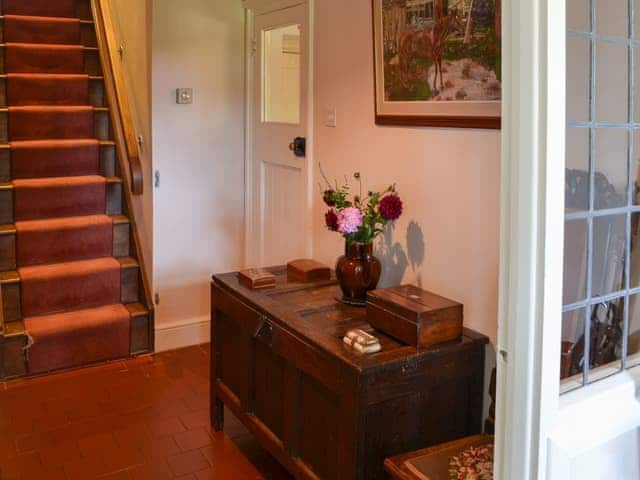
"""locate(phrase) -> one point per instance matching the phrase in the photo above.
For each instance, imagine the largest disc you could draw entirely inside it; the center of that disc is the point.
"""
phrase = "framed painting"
(438, 62)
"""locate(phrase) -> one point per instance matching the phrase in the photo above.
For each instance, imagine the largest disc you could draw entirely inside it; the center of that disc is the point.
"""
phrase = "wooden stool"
(436, 463)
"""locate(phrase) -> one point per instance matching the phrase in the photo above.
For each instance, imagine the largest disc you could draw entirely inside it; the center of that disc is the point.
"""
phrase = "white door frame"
(532, 233)
(253, 8)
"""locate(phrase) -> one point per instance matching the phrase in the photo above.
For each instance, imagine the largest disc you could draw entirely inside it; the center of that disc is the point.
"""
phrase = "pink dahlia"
(349, 220)
(331, 220)
(391, 207)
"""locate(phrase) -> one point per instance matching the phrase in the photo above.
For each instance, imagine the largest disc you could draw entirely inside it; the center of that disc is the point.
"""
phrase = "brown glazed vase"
(358, 272)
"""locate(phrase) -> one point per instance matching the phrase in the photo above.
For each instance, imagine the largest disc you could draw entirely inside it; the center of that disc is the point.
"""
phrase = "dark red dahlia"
(331, 219)
(391, 207)
(328, 198)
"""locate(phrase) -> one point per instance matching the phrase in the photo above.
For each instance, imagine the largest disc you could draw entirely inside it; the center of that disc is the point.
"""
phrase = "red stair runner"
(44, 89)
(41, 58)
(64, 239)
(78, 338)
(42, 30)
(34, 123)
(44, 8)
(55, 158)
(40, 198)
(69, 280)
(62, 287)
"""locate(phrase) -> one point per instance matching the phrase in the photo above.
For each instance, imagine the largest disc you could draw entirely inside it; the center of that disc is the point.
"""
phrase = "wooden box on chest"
(323, 410)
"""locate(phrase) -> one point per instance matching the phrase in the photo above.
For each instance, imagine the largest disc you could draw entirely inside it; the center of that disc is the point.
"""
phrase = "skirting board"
(183, 334)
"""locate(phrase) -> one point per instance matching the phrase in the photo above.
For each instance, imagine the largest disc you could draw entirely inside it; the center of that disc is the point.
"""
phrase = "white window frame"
(532, 234)
(540, 433)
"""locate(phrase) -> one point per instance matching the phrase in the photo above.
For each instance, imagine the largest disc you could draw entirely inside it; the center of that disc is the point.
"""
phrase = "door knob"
(299, 146)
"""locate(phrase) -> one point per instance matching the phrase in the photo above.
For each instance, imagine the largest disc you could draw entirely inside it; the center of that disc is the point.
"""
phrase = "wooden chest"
(323, 410)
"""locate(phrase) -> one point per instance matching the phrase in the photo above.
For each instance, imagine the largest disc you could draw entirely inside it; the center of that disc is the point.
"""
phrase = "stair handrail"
(116, 91)
(123, 127)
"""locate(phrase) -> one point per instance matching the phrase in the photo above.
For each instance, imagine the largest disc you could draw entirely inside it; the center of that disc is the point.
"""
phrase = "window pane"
(636, 66)
(578, 82)
(575, 261)
(577, 173)
(637, 18)
(571, 366)
(612, 17)
(607, 321)
(608, 254)
(611, 84)
(634, 274)
(633, 348)
(579, 15)
(635, 172)
(611, 160)
(281, 66)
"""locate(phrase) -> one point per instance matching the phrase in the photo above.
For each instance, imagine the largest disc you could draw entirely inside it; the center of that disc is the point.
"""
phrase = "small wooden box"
(256, 279)
(307, 271)
(414, 316)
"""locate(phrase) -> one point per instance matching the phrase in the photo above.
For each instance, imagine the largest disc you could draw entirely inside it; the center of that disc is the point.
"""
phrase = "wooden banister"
(122, 126)
(116, 91)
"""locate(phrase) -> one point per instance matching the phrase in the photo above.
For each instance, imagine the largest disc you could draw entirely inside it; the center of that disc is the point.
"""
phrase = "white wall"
(447, 240)
(198, 149)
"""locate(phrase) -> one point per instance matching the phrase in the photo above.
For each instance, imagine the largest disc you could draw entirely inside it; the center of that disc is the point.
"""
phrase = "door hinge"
(156, 299)
(254, 47)
(156, 179)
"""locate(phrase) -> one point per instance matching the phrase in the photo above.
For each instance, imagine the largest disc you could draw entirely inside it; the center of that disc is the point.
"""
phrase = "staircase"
(72, 291)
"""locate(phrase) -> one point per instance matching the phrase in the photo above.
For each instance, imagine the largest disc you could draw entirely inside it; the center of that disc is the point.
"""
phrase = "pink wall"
(448, 238)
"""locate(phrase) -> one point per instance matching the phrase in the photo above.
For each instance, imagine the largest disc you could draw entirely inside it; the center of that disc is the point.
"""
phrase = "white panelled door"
(279, 176)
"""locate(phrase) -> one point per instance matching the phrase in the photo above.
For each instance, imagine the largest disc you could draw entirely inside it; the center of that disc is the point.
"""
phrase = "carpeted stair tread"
(51, 30)
(41, 198)
(29, 89)
(62, 287)
(78, 338)
(41, 8)
(60, 240)
(44, 58)
(54, 158)
(45, 122)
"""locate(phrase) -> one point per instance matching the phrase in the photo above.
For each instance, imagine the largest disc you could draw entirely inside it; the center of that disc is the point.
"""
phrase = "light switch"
(332, 118)
(184, 96)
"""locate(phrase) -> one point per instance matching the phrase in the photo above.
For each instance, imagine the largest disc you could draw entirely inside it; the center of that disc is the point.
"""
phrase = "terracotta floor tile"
(20, 463)
(86, 468)
(193, 439)
(121, 459)
(159, 447)
(167, 426)
(140, 419)
(156, 470)
(226, 474)
(123, 475)
(95, 445)
(196, 419)
(188, 462)
(58, 454)
(40, 473)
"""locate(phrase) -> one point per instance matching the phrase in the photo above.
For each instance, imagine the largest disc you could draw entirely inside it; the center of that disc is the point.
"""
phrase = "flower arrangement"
(360, 219)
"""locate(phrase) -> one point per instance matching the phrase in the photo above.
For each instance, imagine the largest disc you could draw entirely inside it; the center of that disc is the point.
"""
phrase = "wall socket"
(184, 96)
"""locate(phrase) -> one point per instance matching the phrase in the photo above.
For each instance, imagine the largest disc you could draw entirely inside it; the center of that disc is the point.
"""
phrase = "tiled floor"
(144, 418)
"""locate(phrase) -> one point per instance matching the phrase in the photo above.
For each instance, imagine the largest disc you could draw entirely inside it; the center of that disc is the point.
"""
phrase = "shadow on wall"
(395, 260)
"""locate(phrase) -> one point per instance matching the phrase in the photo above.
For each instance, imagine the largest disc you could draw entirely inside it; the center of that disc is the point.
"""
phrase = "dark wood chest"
(323, 410)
